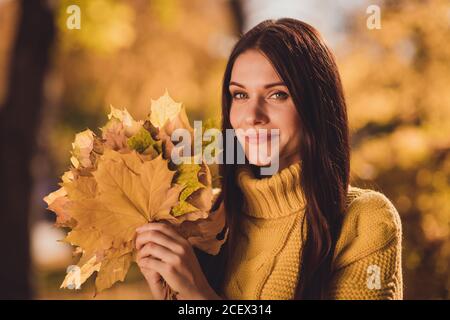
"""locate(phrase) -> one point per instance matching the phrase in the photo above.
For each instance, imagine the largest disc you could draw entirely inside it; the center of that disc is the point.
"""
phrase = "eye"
(239, 95)
(279, 95)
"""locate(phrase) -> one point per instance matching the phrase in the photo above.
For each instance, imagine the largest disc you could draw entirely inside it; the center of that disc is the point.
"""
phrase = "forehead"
(253, 68)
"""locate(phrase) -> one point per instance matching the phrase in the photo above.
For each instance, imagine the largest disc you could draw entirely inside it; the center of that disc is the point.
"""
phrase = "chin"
(261, 155)
(260, 161)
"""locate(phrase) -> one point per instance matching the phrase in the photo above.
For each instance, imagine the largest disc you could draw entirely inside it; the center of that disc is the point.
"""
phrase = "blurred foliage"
(397, 84)
(107, 26)
(128, 52)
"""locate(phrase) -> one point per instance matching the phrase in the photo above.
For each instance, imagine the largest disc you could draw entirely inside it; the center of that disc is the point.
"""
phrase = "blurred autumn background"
(56, 81)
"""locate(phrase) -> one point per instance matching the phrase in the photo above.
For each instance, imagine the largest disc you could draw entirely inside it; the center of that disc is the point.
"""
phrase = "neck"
(285, 162)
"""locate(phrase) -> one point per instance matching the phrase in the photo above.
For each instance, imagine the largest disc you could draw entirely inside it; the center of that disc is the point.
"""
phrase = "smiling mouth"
(258, 138)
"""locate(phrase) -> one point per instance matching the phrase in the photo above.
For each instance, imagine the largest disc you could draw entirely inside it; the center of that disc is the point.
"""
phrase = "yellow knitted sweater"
(265, 263)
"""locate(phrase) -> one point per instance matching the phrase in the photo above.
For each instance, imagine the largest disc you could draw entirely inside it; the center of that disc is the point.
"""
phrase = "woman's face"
(260, 100)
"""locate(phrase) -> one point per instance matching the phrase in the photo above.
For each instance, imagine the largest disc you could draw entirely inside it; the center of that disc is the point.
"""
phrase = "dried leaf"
(58, 202)
(167, 115)
(141, 141)
(131, 126)
(203, 233)
(77, 276)
(187, 177)
(125, 179)
(115, 267)
(163, 110)
(82, 147)
(114, 135)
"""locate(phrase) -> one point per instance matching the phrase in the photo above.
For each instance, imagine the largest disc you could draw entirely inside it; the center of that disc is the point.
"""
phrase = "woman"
(303, 232)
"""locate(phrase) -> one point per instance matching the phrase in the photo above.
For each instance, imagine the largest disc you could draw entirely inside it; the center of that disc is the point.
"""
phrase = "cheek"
(294, 135)
(289, 128)
(234, 115)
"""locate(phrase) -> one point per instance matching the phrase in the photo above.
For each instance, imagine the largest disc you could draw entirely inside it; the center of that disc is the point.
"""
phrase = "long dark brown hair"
(307, 66)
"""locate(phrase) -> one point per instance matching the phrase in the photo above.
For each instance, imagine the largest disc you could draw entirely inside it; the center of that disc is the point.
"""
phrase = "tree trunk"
(238, 15)
(19, 123)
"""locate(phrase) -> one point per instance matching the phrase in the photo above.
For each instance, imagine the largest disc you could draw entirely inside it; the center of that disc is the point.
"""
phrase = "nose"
(252, 121)
(255, 115)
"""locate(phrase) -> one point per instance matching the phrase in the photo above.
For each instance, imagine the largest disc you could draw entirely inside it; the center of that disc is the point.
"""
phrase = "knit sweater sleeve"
(367, 262)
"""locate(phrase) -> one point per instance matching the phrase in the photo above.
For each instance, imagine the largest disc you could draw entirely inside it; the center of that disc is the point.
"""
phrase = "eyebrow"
(269, 85)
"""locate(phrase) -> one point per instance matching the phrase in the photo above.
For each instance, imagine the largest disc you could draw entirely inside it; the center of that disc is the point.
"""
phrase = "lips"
(258, 138)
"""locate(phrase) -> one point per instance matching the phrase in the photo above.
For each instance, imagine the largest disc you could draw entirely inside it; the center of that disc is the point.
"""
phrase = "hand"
(164, 254)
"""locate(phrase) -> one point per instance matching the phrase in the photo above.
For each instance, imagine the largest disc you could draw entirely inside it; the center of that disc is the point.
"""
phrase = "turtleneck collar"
(273, 196)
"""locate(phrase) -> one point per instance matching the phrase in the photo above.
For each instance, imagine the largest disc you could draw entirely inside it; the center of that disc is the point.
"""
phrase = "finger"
(162, 227)
(158, 251)
(159, 238)
(154, 236)
(153, 277)
(156, 282)
(165, 270)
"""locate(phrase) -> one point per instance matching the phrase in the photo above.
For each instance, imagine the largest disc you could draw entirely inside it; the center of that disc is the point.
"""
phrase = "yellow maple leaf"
(77, 275)
(114, 266)
(124, 193)
(50, 198)
(166, 116)
(91, 241)
(82, 148)
(58, 202)
(113, 189)
(164, 109)
(130, 125)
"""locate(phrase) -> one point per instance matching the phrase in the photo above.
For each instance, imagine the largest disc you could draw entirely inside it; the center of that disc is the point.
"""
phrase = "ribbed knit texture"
(265, 263)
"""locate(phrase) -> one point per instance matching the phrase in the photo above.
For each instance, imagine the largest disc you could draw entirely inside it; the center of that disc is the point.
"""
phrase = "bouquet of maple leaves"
(123, 179)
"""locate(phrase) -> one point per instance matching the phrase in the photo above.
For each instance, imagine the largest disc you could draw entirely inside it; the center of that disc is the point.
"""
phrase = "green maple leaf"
(187, 177)
(142, 140)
